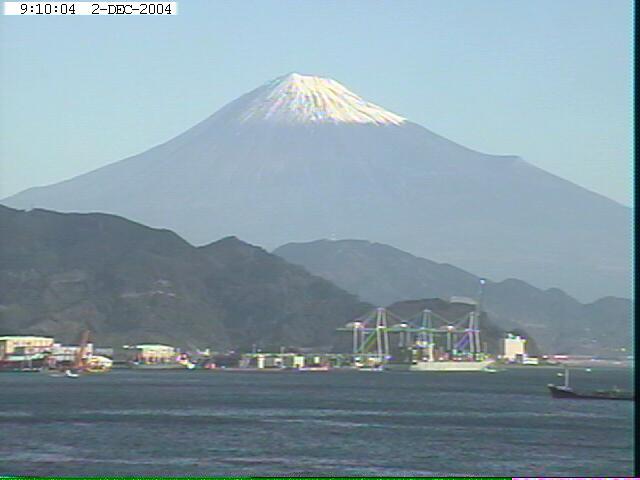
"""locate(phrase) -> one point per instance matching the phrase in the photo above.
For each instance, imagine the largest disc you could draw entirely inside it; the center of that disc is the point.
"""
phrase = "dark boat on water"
(565, 391)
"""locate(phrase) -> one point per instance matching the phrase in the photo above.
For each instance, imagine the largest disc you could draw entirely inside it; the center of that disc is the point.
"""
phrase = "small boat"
(565, 391)
(490, 370)
(70, 374)
(378, 368)
(319, 368)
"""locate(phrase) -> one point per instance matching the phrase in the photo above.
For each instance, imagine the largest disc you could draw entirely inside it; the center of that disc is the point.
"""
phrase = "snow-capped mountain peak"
(296, 98)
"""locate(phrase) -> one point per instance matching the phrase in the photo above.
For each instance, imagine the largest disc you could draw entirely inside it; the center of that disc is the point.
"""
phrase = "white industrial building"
(68, 353)
(24, 345)
(514, 347)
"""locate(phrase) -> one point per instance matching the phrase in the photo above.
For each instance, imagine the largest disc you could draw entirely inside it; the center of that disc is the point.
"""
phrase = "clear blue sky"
(549, 80)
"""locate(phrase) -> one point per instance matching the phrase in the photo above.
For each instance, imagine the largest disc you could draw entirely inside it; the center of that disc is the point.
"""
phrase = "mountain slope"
(381, 274)
(61, 273)
(301, 158)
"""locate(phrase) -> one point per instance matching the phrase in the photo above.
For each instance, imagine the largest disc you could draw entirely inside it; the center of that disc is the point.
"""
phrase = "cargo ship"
(442, 366)
(565, 391)
(180, 362)
(377, 368)
(560, 391)
(450, 365)
(160, 366)
(314, 368)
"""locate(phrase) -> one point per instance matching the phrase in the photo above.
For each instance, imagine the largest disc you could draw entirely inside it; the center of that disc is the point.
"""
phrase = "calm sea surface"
(313, 423)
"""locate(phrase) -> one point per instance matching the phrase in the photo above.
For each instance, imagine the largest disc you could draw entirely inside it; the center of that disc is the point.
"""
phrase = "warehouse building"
(514, 347)
(150, 353)
(24, 345)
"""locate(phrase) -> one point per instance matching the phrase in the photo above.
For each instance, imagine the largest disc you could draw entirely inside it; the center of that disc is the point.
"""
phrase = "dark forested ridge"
(61, 273)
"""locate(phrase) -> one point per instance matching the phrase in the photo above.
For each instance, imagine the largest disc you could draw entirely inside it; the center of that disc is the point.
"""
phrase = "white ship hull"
(450, 366)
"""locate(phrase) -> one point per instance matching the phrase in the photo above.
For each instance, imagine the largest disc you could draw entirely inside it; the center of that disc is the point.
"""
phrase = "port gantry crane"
(370, 333)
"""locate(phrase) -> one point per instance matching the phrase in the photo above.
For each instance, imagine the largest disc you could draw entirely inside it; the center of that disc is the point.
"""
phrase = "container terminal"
(379, 341)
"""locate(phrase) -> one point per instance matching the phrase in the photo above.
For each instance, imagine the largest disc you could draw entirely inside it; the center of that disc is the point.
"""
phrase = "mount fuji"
(302, 158)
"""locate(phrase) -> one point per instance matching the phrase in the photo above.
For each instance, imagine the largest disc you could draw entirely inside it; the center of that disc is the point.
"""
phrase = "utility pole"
(382, 335)
(478, 312)
(471, 332)
(356, 335)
